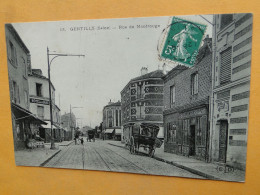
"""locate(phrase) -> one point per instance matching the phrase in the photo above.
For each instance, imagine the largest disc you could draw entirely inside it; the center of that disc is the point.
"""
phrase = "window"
(140, 90)
(140, 110)
(16, 95)
(12, 54)
(172, 132)
(110, 118)
(226, 19)
(116, 117)
(25, 67)
(172, 95)
(119, 117)
(39, 89)
(194, 84)
(26, 98)
(40, 112)
(225, 66)
(14, 89)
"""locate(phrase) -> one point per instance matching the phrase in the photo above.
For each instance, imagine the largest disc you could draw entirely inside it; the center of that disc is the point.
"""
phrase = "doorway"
(192, 140)
(223, 134)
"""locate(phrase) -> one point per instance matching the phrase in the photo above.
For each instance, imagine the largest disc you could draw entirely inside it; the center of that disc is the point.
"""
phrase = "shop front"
(25, 127)
(187, 132)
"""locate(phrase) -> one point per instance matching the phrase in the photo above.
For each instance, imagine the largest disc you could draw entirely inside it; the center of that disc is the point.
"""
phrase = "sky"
(114, 54)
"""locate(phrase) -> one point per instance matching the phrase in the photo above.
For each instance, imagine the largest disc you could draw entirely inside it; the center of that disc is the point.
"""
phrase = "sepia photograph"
(162, 95)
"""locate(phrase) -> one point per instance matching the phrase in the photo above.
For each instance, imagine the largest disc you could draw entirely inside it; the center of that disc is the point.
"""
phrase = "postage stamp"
(183, 41)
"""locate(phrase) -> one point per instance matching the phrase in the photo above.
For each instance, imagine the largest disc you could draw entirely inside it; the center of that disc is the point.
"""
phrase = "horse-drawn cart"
(91, 135)
(142, 135)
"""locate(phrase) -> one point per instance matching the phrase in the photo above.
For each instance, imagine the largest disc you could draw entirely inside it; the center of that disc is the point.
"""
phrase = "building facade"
(186, 99)
(25, 124)
(40, 105)
(231, 86)
(112, 120)
(68, 123)
(142, 100)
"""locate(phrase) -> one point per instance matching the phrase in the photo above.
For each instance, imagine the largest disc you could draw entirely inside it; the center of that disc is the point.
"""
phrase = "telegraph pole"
(54, 55)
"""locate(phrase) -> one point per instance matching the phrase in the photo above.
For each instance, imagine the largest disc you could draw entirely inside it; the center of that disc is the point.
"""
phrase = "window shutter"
(11, 89)
(203, 123)
(15, 57)
(8, 50)
(18, 94)
(225, 67)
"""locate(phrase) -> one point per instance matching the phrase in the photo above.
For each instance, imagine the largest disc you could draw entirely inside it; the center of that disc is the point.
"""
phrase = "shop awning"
(23, 114)
(109, 130)
(118, 131)
(48, 125)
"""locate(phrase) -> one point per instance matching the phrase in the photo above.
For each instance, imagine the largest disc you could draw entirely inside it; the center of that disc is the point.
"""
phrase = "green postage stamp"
(183, 41)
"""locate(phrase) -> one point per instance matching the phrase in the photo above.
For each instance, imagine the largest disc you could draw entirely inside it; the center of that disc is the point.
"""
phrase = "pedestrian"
(75, 140)
(82, 141)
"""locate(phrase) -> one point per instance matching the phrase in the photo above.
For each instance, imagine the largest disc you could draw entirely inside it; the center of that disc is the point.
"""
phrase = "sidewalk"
(207, 170)
(38, 156)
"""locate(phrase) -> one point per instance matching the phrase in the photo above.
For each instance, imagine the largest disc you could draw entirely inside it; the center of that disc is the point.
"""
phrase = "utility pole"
(55, 55)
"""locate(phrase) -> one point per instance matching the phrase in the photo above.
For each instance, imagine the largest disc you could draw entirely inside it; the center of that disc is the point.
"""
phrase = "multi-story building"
(231, 85)
(186, 101)
(142, 100)
(112, 120)
(68, 123)
(25, 124)
(40, 105)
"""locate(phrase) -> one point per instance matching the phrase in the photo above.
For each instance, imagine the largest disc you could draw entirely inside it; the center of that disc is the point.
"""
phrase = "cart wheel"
(151, 152)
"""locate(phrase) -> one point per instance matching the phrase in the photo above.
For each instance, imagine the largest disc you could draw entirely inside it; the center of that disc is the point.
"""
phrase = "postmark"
(183, 41)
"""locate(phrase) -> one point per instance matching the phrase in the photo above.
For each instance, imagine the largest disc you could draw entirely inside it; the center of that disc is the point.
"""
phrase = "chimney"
(164, 68)
(144, 71)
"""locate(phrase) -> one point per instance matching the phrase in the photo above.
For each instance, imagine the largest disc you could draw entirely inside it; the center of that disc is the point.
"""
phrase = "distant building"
(112, 120)
(231, 85)
(40, 105)
(142, 99)
(68, 122)
(186, 98)
(25, 124)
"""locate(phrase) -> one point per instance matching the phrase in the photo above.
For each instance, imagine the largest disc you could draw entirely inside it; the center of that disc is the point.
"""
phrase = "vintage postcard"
(160, 95)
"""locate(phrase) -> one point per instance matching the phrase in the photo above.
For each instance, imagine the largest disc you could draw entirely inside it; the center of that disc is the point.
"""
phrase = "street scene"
(158, 96)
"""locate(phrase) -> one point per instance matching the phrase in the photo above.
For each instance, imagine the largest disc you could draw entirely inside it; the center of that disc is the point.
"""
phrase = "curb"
(48, 159)
(207, 176)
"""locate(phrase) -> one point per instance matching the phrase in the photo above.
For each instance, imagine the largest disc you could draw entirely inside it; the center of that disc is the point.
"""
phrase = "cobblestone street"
(100, 155)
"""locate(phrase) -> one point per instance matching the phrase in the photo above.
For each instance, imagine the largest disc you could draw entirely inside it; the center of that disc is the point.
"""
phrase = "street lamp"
(54, 55)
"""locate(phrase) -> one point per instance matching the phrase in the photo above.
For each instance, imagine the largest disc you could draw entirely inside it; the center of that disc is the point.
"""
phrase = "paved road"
(100, 155)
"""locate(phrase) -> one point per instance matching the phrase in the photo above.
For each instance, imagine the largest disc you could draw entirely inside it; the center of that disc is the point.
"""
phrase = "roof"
(33, 74)
(176, 70)
(114, 104)
(154, 74)
(17, 37)
(157, 74)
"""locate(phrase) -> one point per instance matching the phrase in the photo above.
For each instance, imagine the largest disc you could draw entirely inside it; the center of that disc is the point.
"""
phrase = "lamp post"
(54, 55)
